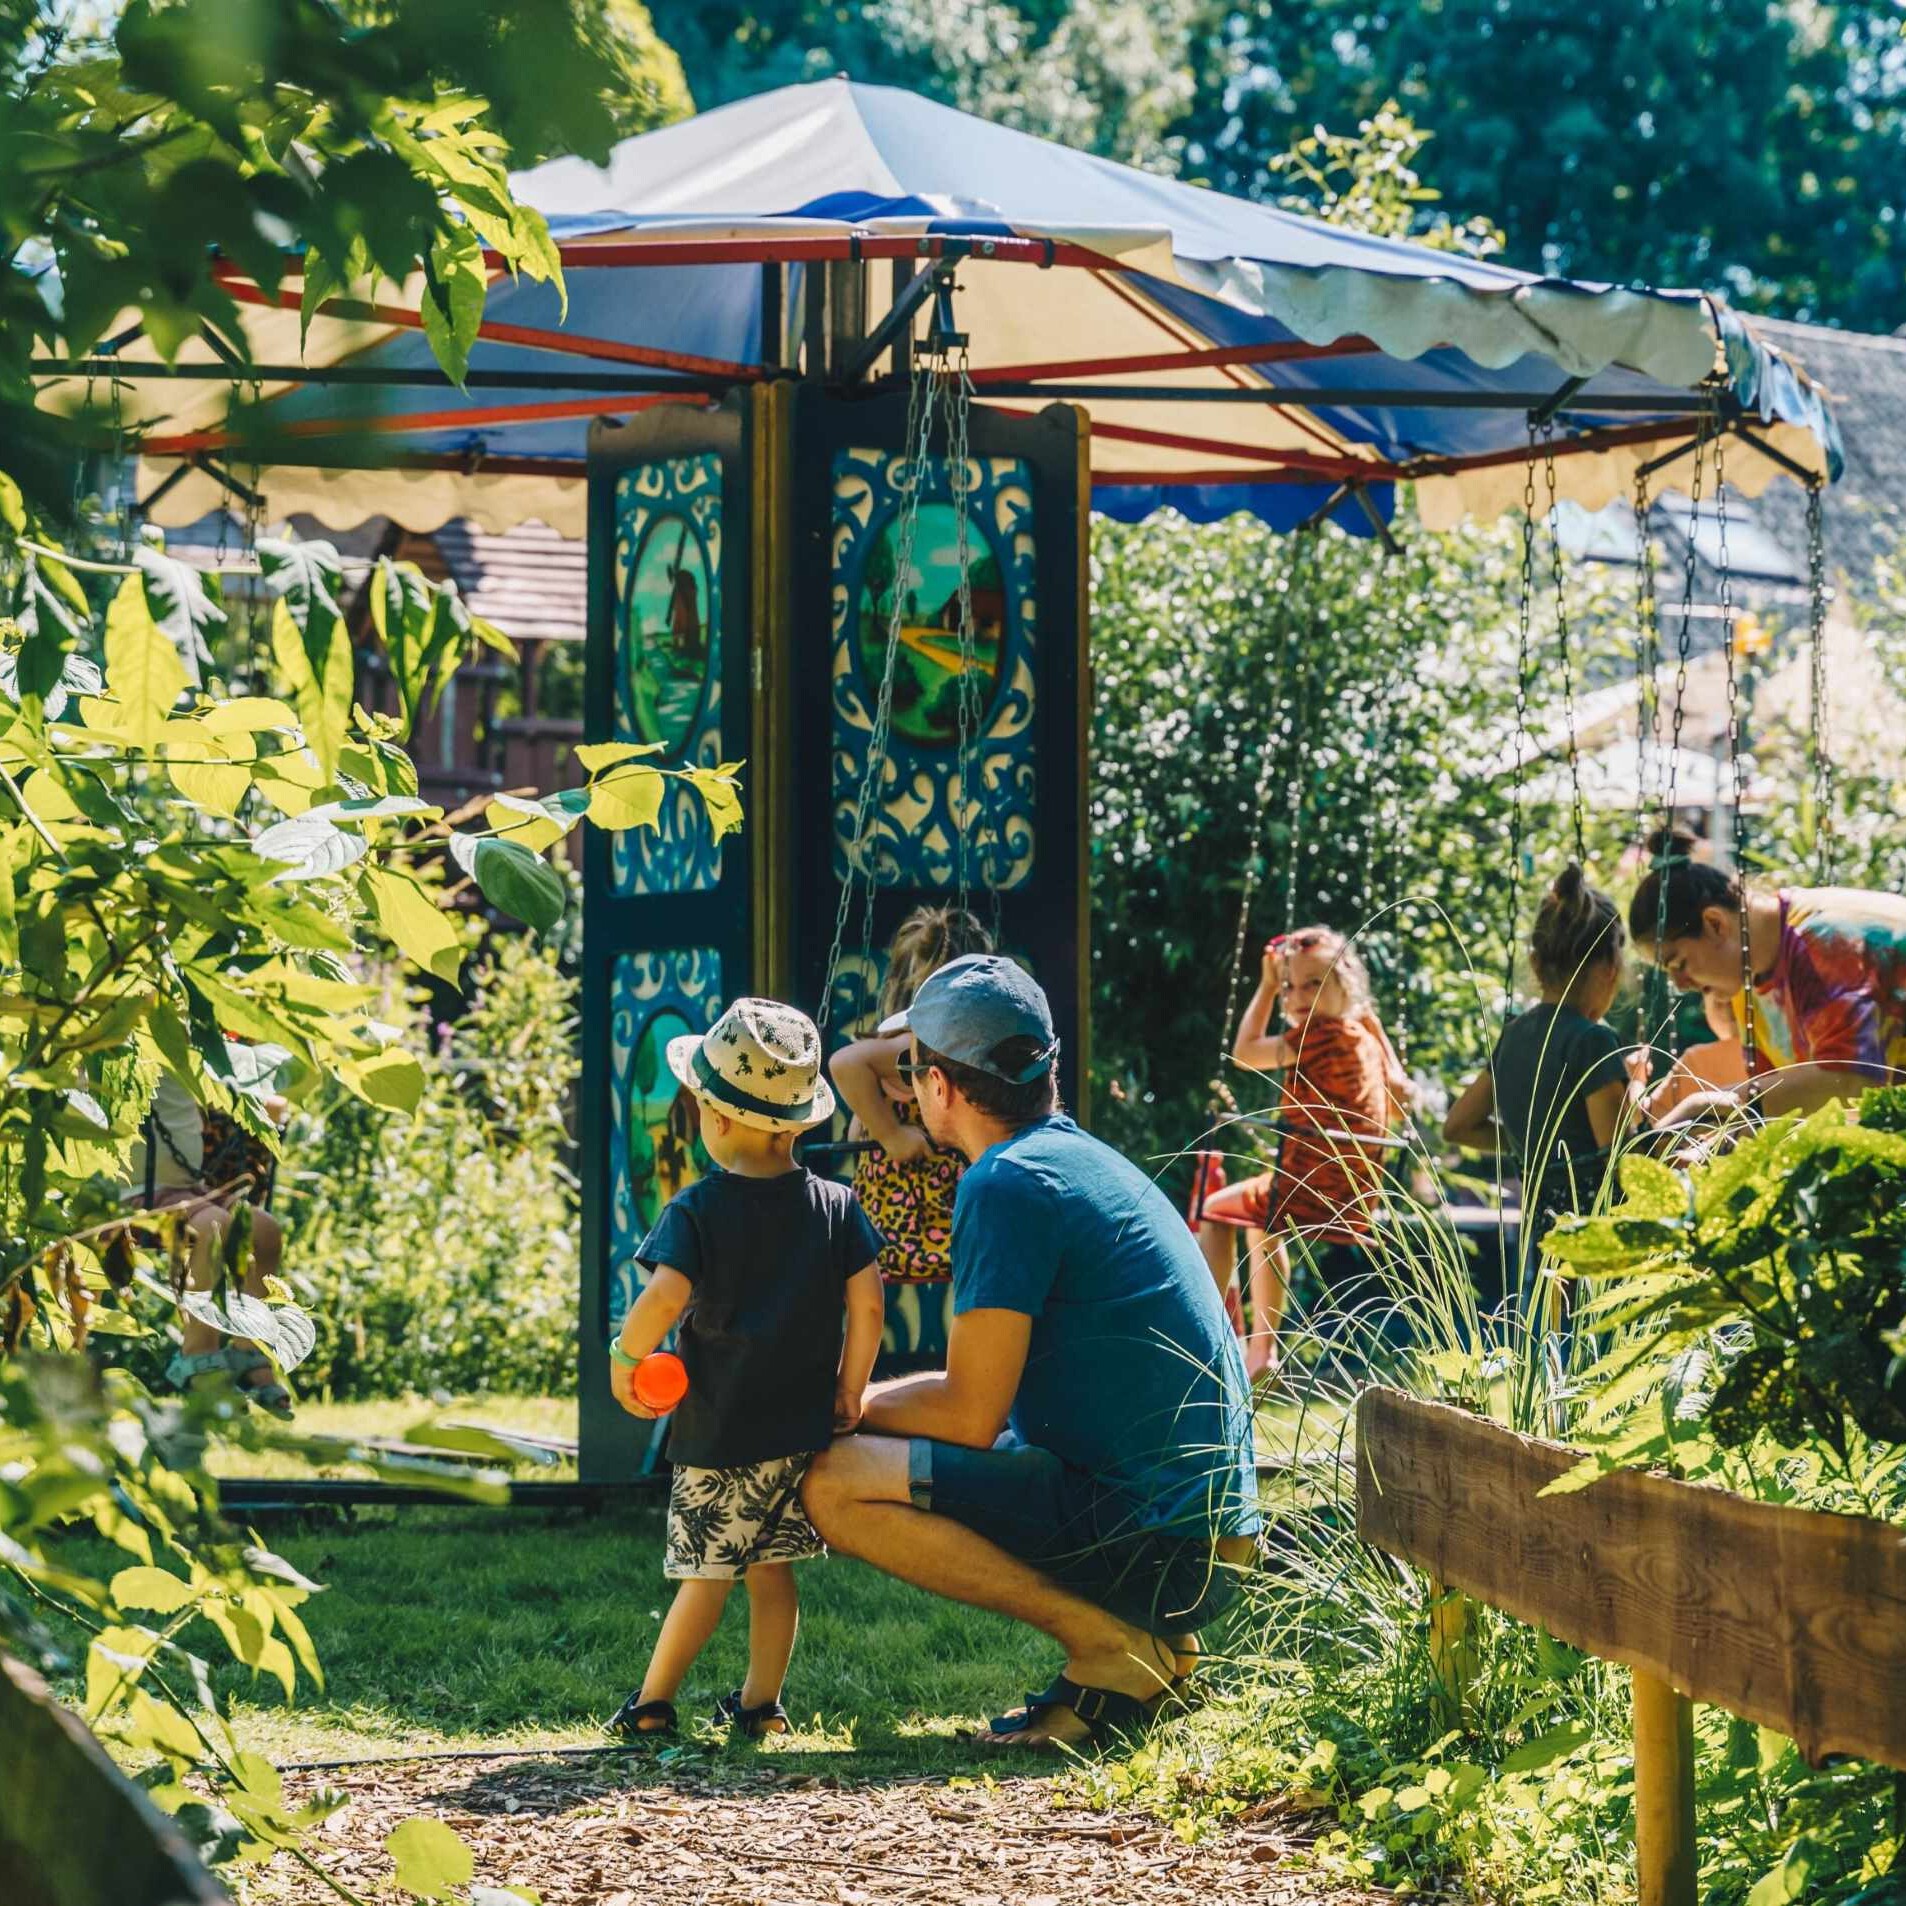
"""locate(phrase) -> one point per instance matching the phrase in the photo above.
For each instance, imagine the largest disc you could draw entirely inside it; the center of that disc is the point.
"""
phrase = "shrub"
(442, 1252)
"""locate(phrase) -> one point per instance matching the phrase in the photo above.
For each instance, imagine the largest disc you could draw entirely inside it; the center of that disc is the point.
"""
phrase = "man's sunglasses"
(911, 1069)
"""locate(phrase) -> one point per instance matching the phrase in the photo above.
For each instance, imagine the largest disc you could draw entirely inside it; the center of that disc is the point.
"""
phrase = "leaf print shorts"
(721, 1522)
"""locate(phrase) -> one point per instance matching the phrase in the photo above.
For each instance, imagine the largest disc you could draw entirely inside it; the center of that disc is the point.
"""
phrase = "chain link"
(1819, 739)
(1577, 813)
(859, 854)
(1647, 658)
(1734, 743)
(1304, 665)
(1269, 754)
(1683, 639)
(1525, 608)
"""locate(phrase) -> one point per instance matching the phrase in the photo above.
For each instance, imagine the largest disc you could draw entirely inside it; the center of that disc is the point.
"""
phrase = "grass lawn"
(463, 1627)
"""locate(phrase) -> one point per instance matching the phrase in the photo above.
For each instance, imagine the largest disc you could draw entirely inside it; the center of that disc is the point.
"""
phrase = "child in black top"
(758, 1261)
(1555, 1092)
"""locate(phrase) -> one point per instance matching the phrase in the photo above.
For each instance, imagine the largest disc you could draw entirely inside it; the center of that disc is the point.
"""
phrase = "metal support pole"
(1664, 1795)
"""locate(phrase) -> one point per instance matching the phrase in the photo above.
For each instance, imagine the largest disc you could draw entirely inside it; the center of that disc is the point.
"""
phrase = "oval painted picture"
(663, 1121)
(667, 637)
(927, 659)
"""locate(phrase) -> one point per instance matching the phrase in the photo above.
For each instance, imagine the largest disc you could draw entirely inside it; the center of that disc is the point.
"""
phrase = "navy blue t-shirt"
(769, 1259)
(1133, 1373)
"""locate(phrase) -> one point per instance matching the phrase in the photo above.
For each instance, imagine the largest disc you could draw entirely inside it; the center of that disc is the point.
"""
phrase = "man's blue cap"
(969, 1006)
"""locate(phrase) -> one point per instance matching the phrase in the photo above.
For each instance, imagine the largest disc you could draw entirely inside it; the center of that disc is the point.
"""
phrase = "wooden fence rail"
(74, 1831)
(1784, 1616)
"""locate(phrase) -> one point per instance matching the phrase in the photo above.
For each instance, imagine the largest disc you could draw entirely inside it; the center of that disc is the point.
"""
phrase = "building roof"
(1865, 512)
(530, 581)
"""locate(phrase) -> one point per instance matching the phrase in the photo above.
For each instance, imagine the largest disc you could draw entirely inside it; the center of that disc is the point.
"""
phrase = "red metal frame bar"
(1139, 479)
(1187, 360)
(1564, 447)
(392, 423)
(534, 337)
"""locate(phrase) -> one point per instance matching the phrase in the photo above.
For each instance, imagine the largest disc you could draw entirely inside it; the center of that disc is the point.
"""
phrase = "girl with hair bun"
(1553, 1094)
(908, 1185)
(1829, 976)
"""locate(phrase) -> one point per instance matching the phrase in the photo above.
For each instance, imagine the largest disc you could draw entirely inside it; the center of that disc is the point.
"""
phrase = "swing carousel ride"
(839, 375)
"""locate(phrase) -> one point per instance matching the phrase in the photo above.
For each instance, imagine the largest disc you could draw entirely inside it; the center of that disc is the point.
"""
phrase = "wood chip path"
(609, 1834)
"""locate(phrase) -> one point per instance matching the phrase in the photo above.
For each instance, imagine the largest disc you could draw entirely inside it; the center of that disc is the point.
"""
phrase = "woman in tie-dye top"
(1829, 976)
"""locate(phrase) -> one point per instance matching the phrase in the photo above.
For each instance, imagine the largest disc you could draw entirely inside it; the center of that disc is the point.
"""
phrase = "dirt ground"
(617, 1833)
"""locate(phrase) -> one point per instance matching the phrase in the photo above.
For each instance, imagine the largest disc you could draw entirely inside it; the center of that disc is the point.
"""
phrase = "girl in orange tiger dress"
(908, 1185)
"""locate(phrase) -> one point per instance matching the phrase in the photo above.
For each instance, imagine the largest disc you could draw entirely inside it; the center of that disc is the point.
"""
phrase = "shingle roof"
(1865, 511)
(531, 582)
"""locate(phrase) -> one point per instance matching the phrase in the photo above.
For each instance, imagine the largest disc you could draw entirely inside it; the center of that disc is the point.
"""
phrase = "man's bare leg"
(857, 1495)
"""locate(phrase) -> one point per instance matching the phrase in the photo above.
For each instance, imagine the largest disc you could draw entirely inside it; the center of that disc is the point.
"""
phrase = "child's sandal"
(636, 1718)
(751, 1723)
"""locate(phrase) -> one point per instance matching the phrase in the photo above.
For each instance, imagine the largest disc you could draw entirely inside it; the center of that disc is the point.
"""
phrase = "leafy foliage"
(405, 1301)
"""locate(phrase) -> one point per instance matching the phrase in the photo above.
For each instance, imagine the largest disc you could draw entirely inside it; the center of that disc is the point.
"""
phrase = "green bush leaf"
(416, 925)
(154, 1588)
(143, 670)
(432, 1861)
(1546, 1749)
(518, 883)
(627, 797)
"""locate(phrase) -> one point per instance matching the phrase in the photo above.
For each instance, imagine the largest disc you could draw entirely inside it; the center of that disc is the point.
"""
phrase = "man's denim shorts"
(1084, 1536)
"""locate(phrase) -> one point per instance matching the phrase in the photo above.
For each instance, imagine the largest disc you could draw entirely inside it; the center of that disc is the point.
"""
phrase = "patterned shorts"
(721, 1522)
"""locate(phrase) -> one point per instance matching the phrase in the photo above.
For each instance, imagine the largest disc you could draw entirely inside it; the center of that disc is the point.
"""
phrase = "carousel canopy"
(1231, 356)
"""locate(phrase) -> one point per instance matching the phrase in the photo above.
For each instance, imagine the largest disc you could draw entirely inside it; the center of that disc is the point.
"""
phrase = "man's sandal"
(751, 1723)
(1109, 1715)
(636, 1719)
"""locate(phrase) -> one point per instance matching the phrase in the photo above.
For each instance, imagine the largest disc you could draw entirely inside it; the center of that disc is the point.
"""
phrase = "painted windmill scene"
(927, 664)
(667, 646)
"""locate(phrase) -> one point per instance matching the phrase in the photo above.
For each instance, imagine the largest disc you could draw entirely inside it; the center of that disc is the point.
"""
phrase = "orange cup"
(661, 1381)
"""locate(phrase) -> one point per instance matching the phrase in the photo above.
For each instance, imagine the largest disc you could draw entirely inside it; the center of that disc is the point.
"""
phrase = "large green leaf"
(455, 287)
(181, 605)
(143, 669)
(416, 925)
(628, 796)
(519, 883)
(432, 1862)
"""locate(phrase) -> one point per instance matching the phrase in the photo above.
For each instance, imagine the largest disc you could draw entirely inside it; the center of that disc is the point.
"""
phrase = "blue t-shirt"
(1133, 1373)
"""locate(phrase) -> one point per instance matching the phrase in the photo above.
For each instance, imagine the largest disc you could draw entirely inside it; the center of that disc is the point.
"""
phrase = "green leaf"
(309, 847)
(597, 755)
(455, 287)
(415, 924)
(1787, 1881)
(160, 1728)
(393, 1079)
(1544, 1751)
(627, 797)
(154, 1588)
(721, 796)
(180, 605)
(531, 824)
(515, 881)
(143, 670)
(12, 506)
(114, 1662)
(1651, 1189)
(432, 1862)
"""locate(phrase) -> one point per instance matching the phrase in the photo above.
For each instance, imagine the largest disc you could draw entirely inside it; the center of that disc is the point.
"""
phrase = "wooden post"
(1664, 1794)
(1452, 1651)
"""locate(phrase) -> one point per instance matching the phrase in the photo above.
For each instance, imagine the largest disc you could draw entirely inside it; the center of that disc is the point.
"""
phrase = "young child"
(758, 1261)
(907, 1187)
(1555, 1092)
(1717, 1065)
(1343, 1083)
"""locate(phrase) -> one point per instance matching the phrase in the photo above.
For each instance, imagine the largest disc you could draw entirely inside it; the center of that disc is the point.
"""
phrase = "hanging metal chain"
(1304, 664)
(1577, 813)
(122, 492)
(957, 393)
(1254, 864)
(1683, 638)
(1525, 608)
(1739, 774)
(858, 854)
(1819, 741)
(1647, 656)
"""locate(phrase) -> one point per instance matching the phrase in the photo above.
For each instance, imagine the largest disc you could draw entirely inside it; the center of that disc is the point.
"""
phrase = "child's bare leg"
(774, 1614)
(1219, 1243)
(1270, 1286)
(692, 1617)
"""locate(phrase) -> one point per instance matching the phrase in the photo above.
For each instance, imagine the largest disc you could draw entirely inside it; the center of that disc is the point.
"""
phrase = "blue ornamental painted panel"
(668, 660)
(654, 1135)
(937, 816)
